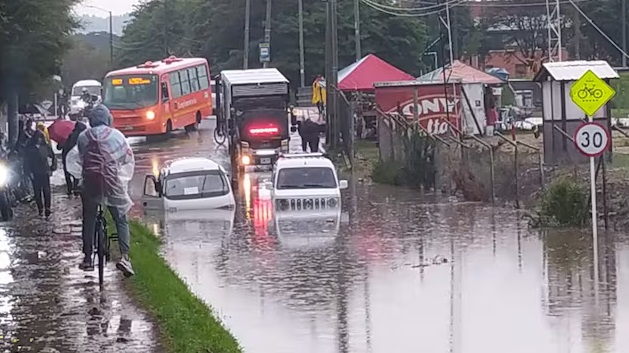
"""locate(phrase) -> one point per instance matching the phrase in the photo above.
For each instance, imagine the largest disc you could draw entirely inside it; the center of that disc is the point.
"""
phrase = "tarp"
(462, 73)
(361, 75)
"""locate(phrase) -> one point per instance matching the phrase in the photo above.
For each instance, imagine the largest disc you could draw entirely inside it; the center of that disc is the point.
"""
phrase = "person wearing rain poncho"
(104, 161)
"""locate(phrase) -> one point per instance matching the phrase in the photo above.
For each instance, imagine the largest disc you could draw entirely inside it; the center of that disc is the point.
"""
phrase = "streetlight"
(111, 32)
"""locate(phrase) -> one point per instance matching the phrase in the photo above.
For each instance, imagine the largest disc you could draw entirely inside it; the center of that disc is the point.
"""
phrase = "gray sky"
(117, 7)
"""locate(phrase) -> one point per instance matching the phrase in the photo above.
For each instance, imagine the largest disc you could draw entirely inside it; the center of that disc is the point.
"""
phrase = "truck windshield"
(196, 185)
(77, 91)
(131, 91)
(306, 178)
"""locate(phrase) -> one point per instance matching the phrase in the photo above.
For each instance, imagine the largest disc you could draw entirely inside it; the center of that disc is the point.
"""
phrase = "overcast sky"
(117, 7)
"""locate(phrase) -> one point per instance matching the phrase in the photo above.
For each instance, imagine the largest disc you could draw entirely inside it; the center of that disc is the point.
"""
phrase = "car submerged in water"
(189, 184)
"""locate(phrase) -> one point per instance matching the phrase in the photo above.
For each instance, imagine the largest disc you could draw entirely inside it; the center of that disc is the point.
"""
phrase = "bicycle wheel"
(583, 93)
(597, 93)
(219, 137)
(101, 251)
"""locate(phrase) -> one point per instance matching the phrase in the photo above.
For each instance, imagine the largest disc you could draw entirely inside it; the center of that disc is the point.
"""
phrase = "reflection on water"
(364, 281)
(371, 286)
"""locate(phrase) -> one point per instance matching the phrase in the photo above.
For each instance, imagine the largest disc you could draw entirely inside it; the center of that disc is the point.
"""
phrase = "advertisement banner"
(434, 109)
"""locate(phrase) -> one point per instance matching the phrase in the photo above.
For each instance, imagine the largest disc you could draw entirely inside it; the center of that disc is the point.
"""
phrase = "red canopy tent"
(361, 75)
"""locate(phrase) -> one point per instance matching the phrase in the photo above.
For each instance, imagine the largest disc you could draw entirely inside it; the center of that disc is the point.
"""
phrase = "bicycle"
(220, 133)
(102, 244)
(586, 92)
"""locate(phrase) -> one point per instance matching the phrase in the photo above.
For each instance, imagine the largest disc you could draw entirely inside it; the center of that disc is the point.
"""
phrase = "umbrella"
(60, 130)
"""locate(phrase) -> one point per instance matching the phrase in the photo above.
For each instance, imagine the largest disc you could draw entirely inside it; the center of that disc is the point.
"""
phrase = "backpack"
(100, 170)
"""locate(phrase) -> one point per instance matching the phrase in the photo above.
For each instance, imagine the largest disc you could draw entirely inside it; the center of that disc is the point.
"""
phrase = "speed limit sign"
(592, 139)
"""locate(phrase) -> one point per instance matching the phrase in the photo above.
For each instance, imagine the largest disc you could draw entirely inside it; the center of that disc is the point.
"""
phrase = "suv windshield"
(131, 91)
(306, 178)
(196, 185)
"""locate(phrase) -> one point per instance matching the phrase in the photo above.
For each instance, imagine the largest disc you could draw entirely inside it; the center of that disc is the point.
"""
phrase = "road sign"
(590, 93)
(592, 139)
(265, 52)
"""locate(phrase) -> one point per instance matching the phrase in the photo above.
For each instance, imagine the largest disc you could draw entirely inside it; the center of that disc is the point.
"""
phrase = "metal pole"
(111, 39)
(624, 32)
(245, 59)
(357, 29)
(328, 74)
(302, 64)
(335, 68)
(594, 221)
(267, 28)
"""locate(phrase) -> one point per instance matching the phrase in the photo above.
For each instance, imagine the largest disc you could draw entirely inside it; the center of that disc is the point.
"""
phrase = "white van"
(93, 87)
(189, 184)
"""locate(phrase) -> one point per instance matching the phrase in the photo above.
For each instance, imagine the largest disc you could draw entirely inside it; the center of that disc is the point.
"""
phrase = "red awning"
(361, 75)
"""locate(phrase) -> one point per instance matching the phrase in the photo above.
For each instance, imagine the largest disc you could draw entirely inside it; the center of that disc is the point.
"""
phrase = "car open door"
(152, 196)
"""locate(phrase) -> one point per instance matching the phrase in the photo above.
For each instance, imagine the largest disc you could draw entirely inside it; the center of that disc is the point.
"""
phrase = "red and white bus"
(158, 97)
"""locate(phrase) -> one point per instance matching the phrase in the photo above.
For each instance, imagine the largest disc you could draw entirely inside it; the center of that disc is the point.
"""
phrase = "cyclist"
(107, 164)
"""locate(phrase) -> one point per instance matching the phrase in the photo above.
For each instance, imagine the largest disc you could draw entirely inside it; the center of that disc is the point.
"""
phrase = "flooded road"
(393, 272)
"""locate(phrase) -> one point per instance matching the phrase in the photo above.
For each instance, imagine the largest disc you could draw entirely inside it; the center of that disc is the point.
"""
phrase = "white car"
(189, 184)
(305, 182)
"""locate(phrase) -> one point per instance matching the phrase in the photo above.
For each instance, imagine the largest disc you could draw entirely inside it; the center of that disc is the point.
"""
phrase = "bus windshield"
(131, 91)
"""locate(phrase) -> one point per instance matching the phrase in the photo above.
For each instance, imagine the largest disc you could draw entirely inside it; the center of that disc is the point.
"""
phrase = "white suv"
(305, 182)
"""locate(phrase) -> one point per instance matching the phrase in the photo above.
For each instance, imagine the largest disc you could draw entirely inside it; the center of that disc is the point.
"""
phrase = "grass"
(186, 324)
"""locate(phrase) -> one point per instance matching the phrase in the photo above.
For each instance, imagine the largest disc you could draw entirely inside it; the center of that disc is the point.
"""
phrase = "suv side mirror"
(343, 184)
(155, 190)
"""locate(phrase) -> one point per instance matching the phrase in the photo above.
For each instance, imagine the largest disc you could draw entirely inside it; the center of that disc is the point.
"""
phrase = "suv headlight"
(333, 202)
(281, 204)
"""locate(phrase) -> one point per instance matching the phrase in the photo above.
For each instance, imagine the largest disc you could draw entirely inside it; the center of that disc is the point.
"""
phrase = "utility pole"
(267, 29)
(624, 32)
(111, 41)
(245, 59)
(332, 84)
(166, 29)
(302, 64)
(328, 73)
(357, 29)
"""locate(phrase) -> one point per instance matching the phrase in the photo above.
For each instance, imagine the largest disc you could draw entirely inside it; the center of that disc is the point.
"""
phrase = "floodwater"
(393, 271)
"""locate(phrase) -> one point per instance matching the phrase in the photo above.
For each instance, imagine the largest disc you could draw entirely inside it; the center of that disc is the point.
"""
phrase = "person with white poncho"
(104, 162)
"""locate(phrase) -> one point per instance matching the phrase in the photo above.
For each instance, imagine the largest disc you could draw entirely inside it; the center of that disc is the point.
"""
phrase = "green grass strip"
(186, 323)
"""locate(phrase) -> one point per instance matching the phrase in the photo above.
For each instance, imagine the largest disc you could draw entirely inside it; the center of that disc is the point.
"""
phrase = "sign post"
(591, 93)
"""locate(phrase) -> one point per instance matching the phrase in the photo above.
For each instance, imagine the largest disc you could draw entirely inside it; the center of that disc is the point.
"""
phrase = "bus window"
(185, 82)
(194, 79)
(165, 96)
(130, 91)
(175, 84)
(203, 79)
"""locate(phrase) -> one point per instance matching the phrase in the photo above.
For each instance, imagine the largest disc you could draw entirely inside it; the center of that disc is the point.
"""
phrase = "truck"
(253, 108)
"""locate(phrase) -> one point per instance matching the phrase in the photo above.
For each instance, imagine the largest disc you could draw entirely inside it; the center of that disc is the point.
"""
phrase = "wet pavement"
(48, 305)
(393, 272)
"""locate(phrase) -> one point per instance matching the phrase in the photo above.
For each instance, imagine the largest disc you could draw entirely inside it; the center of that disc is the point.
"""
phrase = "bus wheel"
(169, 128)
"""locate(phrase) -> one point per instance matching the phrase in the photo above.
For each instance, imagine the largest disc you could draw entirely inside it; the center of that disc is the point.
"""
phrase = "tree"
(84, 61)
(518, 25)
(215, 29)
(33, 38)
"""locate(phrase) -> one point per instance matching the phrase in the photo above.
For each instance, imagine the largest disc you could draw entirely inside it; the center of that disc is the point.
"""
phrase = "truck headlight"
(150, 115)
(4, 174)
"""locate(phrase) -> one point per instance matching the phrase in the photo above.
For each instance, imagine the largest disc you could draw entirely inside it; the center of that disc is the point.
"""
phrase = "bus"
(156, 98)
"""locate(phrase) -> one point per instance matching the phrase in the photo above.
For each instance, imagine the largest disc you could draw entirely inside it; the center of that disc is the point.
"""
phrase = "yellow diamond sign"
(590, 93)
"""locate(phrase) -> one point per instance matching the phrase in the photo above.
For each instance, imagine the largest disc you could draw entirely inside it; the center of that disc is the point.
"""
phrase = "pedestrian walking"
(71, 182)
(39, 168)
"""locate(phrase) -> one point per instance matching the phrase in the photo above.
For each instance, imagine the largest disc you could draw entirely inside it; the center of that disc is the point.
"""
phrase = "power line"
(433, 6)
(376, 7)
(598, 29)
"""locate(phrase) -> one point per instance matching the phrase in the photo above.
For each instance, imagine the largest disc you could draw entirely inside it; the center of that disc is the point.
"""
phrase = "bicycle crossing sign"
(590, 93)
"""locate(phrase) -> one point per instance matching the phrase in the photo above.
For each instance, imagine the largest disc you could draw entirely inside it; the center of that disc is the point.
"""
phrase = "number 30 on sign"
(592, 139)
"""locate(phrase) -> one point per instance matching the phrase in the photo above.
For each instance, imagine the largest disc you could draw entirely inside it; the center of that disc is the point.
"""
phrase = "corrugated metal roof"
(573, 70)
(236, 77)
(460, 72)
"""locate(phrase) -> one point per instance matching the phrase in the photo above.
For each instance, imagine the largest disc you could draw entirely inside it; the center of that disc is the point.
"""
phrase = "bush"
(388, 172)
(564, 204)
